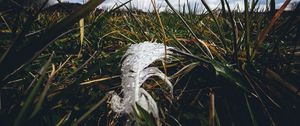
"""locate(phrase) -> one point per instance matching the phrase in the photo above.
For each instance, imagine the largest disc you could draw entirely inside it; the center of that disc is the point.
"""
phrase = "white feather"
(135, 71)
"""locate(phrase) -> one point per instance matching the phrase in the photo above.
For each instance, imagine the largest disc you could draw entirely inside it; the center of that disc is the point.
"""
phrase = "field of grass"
(235, 68)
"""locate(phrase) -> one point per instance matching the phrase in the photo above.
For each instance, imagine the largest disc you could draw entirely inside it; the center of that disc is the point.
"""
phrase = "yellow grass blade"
(81, 35)
(81, 25)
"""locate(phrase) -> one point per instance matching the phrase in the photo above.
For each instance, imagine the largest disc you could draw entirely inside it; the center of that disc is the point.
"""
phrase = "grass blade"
(231, 75)
(250, 111)
(212, 114)
(85, 115)
(81, 35)
(191, 31)
(44, 93)
(217, 24)
(25, 109)
(247, 30)
(32, 50)
(263, 34)
(144, 116)
(234, 32)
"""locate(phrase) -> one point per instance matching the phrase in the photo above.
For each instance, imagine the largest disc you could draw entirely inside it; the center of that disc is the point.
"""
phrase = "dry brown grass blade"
(99, 80)
(263, 34)
(163, 33)
(159, 20)
(272, 75)
(212, 113)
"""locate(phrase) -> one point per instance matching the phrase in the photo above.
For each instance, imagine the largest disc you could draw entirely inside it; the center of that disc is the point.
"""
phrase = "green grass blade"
(86, 114)
(217, 24)
(234, 32)
(43, 95)
(191, 31)
(247, 30)
(40, 42)
(29, 100)
(218, 123)
(231, 75)
(250, 111)
(144, 116)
